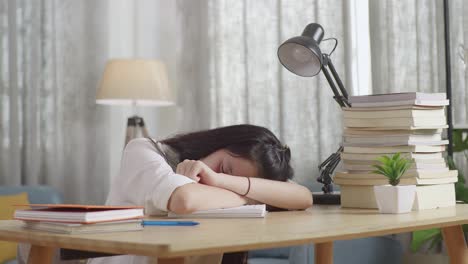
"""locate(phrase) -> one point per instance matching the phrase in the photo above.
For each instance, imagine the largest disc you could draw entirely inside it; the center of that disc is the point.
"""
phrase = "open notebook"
(246, 211)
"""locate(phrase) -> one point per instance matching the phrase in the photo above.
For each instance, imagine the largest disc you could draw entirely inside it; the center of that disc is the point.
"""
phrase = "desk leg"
(39, 254)
(324, 253)
(456, 245)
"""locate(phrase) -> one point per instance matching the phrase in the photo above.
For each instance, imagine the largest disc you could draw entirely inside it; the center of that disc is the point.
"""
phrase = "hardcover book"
(399, 99)
(411, 173)
(391, 97)
(73, 228)
(76, 213)
(413, 113)
(409, 155)
(375, 179)
(394, 149)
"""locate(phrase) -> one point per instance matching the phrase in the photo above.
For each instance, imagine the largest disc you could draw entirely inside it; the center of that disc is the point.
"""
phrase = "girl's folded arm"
(279, 194)
(189, 198)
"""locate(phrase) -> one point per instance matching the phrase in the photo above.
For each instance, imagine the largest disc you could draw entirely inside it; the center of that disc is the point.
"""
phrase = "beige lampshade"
(134, 81)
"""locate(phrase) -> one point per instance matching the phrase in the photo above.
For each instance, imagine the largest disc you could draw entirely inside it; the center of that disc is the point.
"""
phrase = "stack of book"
(80, 219)
(409, 123)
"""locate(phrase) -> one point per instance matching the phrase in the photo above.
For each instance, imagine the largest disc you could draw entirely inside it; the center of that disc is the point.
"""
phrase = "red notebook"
(78, 213)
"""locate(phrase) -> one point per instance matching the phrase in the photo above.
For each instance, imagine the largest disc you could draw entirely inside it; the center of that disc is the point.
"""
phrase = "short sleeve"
(145, 179)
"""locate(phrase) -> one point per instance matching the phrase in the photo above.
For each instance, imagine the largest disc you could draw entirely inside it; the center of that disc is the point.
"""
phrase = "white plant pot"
(395, 199)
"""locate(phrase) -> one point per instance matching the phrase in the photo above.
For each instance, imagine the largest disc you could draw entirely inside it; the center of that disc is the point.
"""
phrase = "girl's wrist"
(221, 181)
(237, 184)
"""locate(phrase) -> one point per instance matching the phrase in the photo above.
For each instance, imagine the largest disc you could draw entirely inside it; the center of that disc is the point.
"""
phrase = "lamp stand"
(327, 167)
(326, 198)
(134, 124)
(317, 61)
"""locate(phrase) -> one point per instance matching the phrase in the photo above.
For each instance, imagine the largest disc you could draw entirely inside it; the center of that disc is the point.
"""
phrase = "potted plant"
(394, 198)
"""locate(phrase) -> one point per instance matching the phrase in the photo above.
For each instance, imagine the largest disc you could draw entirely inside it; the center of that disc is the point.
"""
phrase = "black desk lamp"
(302, 56)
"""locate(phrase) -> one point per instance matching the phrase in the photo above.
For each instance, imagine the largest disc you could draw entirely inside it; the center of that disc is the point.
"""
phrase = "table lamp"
(301, 55)
(134, 82)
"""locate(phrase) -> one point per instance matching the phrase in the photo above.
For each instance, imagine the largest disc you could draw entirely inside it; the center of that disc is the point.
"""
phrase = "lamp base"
(327, 198)
(133, 124)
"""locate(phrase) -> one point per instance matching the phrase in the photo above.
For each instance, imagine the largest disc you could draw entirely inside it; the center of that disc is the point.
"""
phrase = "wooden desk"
(320, 225)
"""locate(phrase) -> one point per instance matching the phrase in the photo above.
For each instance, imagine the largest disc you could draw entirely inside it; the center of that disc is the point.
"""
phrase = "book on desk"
(70, 228)
(246, 211)
(78, 219)
(77, 213)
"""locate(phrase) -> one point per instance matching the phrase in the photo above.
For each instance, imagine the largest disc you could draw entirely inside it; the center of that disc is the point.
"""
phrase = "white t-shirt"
(146, 179)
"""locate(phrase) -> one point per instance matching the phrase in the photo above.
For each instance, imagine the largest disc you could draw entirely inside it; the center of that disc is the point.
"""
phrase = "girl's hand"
(198, 171)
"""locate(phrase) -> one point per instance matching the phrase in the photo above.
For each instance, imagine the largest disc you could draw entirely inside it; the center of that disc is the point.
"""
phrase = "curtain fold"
(408, 51)
(407, 46)
(459, 59)
(226, 69)
(241, 80)
(51, 131)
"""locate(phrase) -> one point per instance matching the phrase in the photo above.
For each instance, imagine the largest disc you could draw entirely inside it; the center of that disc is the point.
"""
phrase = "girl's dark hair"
(254, 143)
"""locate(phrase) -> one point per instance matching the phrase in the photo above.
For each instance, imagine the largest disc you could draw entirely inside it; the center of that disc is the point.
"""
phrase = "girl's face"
(221, 161)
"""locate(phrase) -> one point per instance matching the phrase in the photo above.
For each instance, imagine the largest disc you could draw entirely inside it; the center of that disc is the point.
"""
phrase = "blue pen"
(168, 223)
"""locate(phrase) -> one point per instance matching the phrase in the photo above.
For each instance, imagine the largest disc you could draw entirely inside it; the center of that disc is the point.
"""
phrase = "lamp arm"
(341, 99)
(326, 169)
(338, 81)
(338, 97)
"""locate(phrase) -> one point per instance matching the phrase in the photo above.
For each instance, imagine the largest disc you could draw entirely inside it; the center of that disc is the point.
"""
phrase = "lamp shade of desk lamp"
(302, 55)
(134, 82)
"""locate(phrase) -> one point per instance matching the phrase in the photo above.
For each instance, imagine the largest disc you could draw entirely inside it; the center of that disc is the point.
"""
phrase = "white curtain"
(459, 53)
(223, 65)
(229, 73)
(51, 132)
(408, 51)
(222, 60)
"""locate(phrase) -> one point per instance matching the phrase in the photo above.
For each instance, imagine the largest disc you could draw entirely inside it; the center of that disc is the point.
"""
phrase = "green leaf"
(382, 170)
(452, 166)
(459, 143)
(378, 172)
(435, 241)
(422, 236)
(461, 193)
(384, 159)
(392, 167)
(378, 167)
(465, 228)
(405, 167)
(400, 167)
